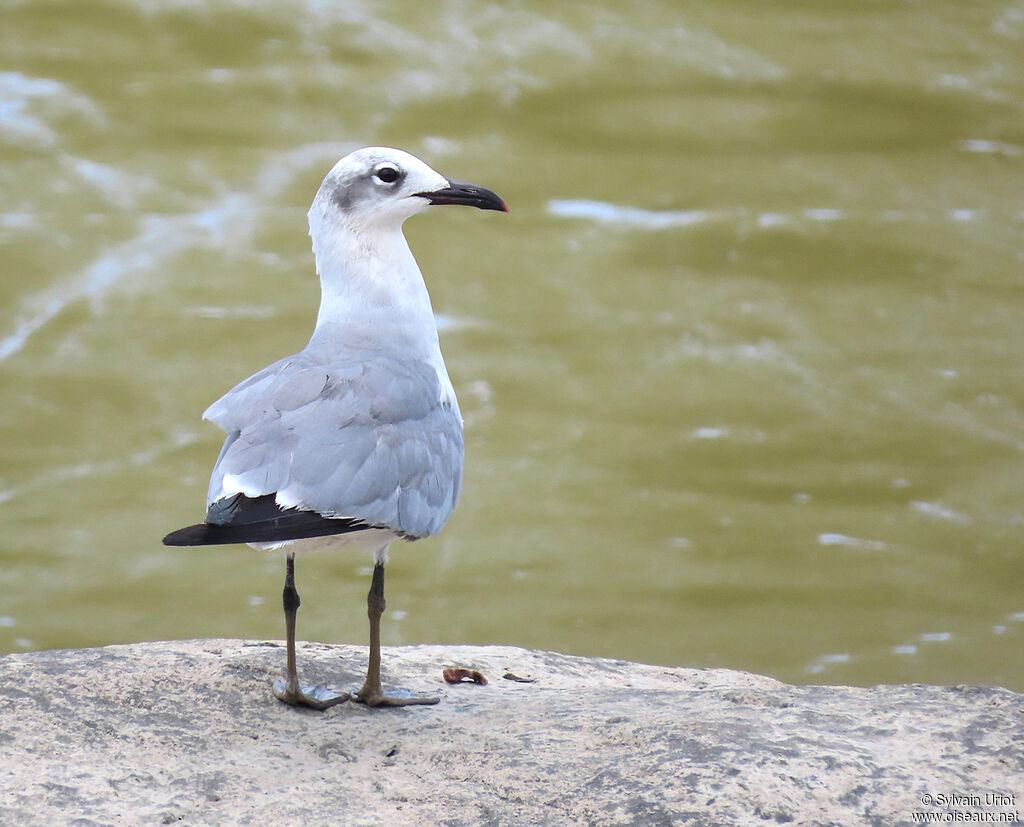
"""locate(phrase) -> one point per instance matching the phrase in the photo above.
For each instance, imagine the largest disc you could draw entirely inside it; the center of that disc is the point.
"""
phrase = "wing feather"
(375, 441)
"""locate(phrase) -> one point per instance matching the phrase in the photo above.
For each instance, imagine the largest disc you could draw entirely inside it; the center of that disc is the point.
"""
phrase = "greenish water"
(741, 371)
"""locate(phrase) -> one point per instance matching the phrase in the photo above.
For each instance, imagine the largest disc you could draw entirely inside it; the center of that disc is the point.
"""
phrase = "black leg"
(372, 694)
(289, 690)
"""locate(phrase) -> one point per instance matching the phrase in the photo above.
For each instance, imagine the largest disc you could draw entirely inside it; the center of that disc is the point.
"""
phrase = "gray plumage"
(345, 434)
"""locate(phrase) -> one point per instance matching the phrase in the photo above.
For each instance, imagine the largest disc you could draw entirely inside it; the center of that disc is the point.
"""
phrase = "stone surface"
(188, 732)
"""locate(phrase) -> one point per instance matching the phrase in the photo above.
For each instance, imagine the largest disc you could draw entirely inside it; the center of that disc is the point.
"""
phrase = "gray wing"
(377, 440)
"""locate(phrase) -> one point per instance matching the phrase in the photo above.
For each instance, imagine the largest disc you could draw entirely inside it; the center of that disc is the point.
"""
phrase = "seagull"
(355, 441)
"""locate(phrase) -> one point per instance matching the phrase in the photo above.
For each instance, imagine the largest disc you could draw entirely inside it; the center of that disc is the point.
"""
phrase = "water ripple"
(82, 470)
(159, 238)
(28, 103)
(604, 212)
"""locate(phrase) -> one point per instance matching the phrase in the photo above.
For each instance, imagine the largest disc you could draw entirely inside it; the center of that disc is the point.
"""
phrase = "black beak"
(468, 194)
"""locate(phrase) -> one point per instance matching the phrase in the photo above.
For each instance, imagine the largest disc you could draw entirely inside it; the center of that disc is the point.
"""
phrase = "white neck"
(372, 291)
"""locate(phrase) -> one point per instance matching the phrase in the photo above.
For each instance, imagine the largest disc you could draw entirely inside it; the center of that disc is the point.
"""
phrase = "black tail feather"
(260, 520)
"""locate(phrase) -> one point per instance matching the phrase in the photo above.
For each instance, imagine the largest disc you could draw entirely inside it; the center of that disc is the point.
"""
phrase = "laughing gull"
(356, 441)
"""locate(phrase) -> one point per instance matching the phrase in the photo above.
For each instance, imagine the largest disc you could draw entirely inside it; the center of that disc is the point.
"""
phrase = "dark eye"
(386, 173)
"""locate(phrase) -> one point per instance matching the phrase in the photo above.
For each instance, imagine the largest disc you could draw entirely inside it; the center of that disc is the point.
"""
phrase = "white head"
(377, 188)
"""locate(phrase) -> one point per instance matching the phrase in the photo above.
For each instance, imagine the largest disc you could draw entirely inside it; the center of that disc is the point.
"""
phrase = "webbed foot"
(398, 697)
(316, 697)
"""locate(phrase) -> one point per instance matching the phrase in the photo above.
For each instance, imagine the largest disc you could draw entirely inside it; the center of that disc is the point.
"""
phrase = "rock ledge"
(187, 731)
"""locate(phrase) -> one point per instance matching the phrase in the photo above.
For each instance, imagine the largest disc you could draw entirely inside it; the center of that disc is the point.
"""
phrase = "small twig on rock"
(509, 676)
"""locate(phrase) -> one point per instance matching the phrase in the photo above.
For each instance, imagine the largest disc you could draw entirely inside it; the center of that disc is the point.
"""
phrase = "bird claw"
(398, 697)
(316, 697)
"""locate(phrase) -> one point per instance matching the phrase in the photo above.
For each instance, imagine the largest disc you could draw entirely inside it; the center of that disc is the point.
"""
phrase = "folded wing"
(363, 443)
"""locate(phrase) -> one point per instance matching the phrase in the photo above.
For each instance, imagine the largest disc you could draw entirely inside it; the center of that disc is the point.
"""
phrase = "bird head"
(379, 187)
